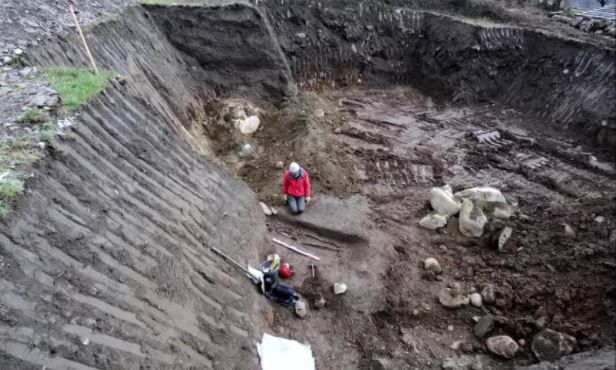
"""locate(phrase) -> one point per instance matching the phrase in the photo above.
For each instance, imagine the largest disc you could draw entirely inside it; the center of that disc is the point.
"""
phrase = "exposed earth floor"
(401, 145)
(106, 256)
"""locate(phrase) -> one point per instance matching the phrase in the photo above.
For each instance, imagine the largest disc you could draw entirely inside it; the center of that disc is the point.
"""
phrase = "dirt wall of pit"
(568, 82)
(106, 261)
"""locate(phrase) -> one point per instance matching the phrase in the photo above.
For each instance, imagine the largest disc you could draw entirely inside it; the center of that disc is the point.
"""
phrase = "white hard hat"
(294, 167)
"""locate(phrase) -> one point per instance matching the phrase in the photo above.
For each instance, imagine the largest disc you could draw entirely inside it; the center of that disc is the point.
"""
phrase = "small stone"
(450, 328)
(477, 365)
(246, 150)
(433, 221)
(455, 286)
(337, 130)
(319, 303)
(266, 209)
(550, 345)
(319, 113)
(415, 312)
(475, 299)
(429, 275)
(502, 345)
(300, 309)
(484, 326)
(467, 347)
(457, 363)
(599, 219)
(380, 363)
(569, 231)
(522, 343)
(540, 322)
(449, 364)
(18, 51)
(431, 264)
(500, 238)
(7, 60)
(279, 165)
(85, 341)
(451, 300)
(52, 101)
(39, 101)
(340, 288)
(488, 294)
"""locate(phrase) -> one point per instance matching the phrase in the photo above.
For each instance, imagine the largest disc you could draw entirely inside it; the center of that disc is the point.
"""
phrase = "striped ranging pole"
(83, 39)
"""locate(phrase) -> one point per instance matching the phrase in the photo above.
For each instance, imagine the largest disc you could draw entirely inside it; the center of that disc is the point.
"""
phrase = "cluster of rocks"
(546, 345)
(27, 101)
(301, 309)
(474, 207)
(596, 26)
(243, 115)
(24, 24)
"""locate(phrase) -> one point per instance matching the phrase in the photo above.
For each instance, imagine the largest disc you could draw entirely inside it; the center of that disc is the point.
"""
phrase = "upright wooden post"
(83, 39)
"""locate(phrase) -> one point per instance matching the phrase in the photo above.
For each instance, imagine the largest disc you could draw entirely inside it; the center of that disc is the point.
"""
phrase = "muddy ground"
(107, 261)
(402, 144)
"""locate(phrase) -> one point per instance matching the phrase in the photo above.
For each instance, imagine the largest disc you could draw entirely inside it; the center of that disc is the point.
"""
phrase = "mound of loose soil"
(299, 131)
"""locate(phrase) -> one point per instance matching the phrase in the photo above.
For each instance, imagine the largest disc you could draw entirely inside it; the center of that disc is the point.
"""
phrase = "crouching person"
(296, 186)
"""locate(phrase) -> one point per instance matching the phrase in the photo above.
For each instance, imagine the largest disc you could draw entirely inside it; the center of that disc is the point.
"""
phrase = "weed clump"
(76, 86)
(32, 115)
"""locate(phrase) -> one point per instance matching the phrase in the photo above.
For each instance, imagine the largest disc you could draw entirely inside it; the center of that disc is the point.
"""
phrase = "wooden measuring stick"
(296, 249)
(83, 39)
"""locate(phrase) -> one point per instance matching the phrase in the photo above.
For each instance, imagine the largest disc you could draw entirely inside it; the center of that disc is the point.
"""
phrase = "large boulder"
(485, 194)
(550, 345)
(502, 211)
(472, 219)
(602, 359)
(443, 201)
(433, 221)
(249, 125)
(503, 346)
(452, 299)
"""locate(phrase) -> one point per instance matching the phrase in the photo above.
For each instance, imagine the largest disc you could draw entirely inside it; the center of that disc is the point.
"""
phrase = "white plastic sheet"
(284, 354)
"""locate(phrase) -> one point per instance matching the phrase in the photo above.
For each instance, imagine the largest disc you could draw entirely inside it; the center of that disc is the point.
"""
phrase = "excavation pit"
(108, 260)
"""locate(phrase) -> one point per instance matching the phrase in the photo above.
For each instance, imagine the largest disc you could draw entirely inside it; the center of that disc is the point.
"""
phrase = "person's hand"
(308, 200)
(284, 197)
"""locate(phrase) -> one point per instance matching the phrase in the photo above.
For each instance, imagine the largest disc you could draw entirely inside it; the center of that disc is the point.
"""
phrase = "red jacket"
(297, 187)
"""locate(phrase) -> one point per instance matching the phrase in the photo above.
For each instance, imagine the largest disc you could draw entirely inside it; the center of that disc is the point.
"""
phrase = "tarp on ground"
(284, 354)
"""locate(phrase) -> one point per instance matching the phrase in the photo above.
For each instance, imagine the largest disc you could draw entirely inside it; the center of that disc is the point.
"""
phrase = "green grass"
(48, 130)
(16, 159)
(8, 192)
(32, 115)
(76, 86)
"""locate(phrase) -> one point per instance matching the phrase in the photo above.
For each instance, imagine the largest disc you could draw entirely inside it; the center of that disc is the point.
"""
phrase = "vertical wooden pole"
(83, 39)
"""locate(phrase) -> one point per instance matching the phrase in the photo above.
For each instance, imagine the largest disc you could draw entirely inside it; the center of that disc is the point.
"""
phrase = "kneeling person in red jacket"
(296, 186)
